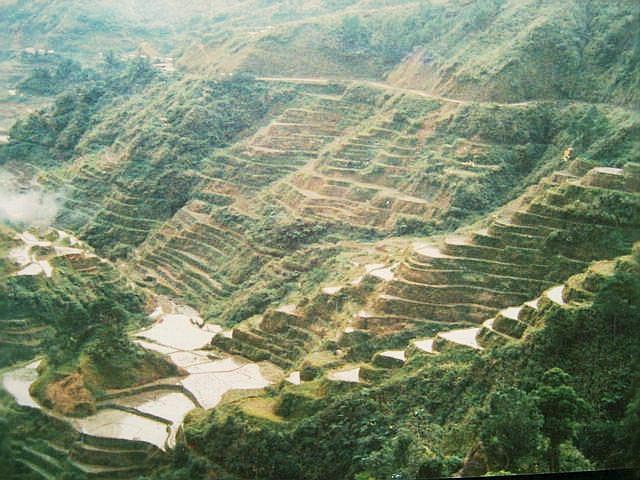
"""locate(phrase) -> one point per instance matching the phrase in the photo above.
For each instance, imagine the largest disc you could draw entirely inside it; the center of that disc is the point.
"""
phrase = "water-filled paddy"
(18, 381)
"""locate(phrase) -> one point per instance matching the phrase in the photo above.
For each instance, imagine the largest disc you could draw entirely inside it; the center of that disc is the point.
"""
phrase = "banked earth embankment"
(471, 284)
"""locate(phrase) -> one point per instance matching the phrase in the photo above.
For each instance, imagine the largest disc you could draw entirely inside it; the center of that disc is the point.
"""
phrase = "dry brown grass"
(70, 397)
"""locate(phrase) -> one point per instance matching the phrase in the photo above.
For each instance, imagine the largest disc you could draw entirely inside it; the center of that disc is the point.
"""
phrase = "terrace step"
(454, 312)
(103, 472)
(605, 177)
(503, 226)
(466, 338)
(109, 457)
(37, 470)
(254, 338)
(489, 337)
(42, 460)
(485, 239)
(434, 293)
(433, 257)
(422, 273)
(365, 321)
(509, 324)
(461, 247)
(532, 219)
(252, 352)
(276, 339)
(389, 358)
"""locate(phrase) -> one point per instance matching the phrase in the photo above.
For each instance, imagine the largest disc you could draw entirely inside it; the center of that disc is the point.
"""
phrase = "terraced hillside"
(94, 417)
(41, 275)
(518, 256)
(86, 456)
(431, 188)
(501, 337)
(476, 293)
(267, 227)
(303, 160)
(351, 239)
(464, 282)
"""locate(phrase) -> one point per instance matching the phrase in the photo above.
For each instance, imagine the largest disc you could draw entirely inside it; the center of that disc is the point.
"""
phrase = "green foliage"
(169, 140)
(502, 125)
(7, 466)
(561, 408)
(83, 94)
(185, 466)
(393, 35)
(420, 421)
(607, 206)
(287, 236)
(168, 136)
(110, 345)
(572, 460)
(80, 321)
(78, 324)
(471, 196)
(253, 305)
(511, 430)
(353, 35)
(28, 427)
(413, 226)
(631, 431)
(246, 449)
(53, 78)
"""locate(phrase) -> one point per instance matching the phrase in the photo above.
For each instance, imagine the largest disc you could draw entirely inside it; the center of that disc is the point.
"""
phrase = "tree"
(561, 408)
(353, 35)
(138, 73)
(631, 431)
(111, 62)
(510, 428)
(110, 344)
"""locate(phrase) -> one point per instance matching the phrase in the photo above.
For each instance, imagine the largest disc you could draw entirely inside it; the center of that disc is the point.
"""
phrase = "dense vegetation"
(503, 50)
(196, 118)
(563, 399)
(80, 322)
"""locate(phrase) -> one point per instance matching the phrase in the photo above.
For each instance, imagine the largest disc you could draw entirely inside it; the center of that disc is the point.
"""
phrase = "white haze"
(29, 206)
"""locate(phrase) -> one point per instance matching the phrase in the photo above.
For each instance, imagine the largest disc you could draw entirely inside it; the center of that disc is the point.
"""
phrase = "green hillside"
(483, 50)
(421, 420)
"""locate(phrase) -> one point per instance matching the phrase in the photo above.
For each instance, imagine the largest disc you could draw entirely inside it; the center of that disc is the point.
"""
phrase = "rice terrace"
(332, 239)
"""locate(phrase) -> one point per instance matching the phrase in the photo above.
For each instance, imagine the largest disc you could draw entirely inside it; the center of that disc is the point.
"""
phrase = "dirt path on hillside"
(385, 86)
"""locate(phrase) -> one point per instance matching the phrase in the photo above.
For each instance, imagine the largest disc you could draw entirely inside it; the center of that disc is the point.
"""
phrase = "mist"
(28, 204)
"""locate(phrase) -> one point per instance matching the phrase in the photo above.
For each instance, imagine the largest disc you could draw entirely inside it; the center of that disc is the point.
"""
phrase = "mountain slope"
(208, 179)
(482, 50)
(382, 201)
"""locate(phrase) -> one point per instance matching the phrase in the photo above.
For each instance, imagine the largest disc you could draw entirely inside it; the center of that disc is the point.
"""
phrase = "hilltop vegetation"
(87, 32)
(497, 50)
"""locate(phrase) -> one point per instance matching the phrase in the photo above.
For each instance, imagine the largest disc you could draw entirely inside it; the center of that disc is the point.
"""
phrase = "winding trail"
(425, 94)
(387, 86)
